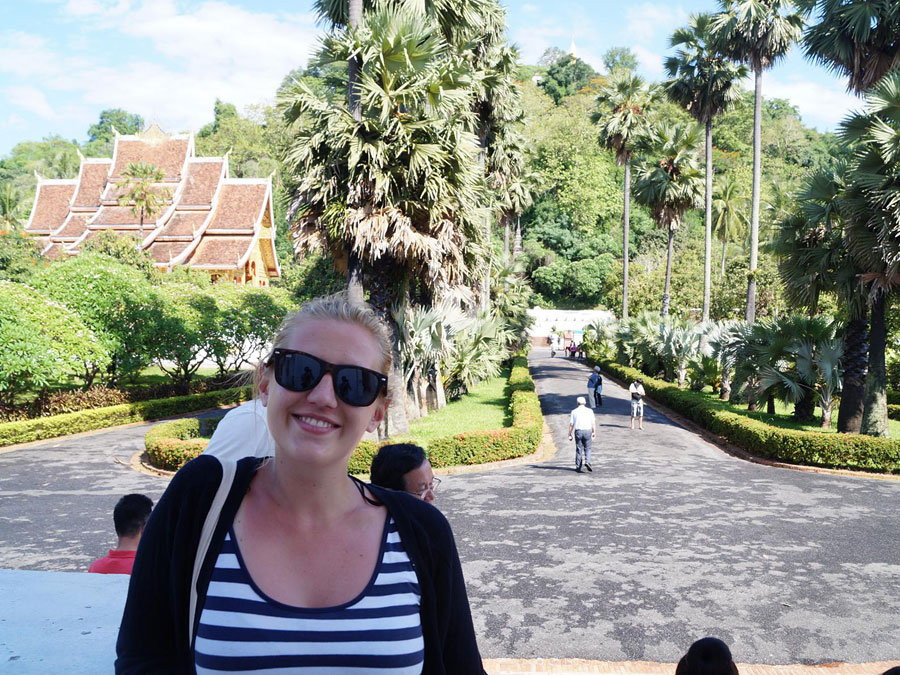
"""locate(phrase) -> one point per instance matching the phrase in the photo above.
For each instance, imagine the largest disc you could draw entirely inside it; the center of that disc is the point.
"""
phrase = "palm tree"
(140, 190)
(813, 259)
(669, 183)
(854, 39)
(624, 103)
(10, 208)
(401, 187)
(758, 33)
(704, 83)
(872, 214)
(728, 214)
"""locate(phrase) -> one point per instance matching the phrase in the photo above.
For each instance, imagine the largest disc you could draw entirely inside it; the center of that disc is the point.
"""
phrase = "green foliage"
(41, 342)
(312, 277)
(582, 282)
(171, 445)
(246, 320)
(102, 418)
(567, 76)
(253, 141)
(618, 59)
(101, 134)
(187, 318)
(123, 248)
(842, 451)
(114, 299)
(19, 254)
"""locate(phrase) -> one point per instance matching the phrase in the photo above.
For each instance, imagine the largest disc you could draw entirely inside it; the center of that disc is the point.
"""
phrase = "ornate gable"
(210, 221)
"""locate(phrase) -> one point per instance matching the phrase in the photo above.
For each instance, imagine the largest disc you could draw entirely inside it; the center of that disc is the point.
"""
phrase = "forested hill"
(571, 235)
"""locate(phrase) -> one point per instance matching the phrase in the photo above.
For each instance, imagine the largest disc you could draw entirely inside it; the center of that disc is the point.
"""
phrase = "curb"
(586, 667)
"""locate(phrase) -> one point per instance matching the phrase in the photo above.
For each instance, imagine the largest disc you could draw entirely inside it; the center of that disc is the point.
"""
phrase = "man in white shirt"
(637, 402)
(584, 429)
(243, 432)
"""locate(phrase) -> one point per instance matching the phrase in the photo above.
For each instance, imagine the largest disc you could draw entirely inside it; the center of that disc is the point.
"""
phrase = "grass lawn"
(783, 417)
(484, 407)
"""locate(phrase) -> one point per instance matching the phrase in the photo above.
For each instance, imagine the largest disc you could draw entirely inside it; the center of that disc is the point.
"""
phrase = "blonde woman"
(287, 564)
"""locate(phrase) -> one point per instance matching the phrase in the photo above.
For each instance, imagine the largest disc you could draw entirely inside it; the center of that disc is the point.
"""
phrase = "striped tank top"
(243, 630)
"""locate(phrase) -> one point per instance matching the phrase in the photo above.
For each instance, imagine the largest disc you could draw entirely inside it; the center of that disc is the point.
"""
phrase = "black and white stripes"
(379, 632)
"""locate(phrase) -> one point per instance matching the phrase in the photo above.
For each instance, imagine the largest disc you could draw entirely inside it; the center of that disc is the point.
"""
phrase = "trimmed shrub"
(833, 450)
(171, 445)
(100, 418)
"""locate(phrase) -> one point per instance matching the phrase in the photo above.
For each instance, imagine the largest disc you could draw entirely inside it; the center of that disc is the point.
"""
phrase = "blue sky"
(63, 61)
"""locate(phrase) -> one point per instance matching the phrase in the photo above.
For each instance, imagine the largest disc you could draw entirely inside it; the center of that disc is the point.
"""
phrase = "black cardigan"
(153, 637)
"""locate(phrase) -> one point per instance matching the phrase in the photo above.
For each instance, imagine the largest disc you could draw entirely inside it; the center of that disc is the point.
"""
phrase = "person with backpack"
(598, 389)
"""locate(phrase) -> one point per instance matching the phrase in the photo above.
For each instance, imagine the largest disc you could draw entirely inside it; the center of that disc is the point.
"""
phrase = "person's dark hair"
(131, 513)
(707, 656)
(393, 461)
(892, 671)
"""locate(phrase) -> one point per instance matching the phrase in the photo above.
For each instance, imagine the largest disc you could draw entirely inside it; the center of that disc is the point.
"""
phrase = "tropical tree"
(400, 188)
(624, 103)
(872, 213)
(728, 214)
(757, 33)
(856, 39)
(11, 208)
(813, 259)
(669, 183)
(704, 83)
(139, 189)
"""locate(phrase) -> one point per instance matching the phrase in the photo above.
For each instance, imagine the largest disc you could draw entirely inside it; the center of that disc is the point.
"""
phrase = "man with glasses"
(404, 466)
(583, 427)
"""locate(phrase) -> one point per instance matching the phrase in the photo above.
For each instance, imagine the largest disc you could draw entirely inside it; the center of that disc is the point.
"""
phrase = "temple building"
(209, 220)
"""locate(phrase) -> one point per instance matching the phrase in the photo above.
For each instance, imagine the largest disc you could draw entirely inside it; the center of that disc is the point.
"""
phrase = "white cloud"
(534, 41)
(648, 21)
(820, 106)
(30, 99)
(187, 56)
(650, 61)
(529, 8)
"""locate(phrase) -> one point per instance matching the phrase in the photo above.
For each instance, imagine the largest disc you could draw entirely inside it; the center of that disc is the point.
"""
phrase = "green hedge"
(893, 397)
(126, 413)
(840, 451)
(893, 411)
(171, 445)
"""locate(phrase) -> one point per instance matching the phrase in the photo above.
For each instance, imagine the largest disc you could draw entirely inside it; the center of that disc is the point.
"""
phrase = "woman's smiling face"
(315, 426)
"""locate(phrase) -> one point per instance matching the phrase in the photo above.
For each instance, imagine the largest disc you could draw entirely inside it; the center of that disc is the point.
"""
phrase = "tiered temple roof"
(208, 221)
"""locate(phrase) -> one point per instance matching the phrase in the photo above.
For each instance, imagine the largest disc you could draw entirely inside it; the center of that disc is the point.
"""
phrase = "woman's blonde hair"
(331, 308)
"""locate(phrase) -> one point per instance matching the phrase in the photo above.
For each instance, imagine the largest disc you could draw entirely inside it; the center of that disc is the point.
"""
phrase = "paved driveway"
(668, 540)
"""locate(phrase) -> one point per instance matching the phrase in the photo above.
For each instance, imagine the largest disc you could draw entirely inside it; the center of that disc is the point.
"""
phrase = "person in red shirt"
(130, 516)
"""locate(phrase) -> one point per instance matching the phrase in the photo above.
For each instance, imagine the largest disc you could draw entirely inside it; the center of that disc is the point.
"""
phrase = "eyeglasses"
(299, 371)
(433, 486)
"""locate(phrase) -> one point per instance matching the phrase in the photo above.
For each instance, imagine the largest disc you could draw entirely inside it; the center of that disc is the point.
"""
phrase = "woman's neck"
(320, 494)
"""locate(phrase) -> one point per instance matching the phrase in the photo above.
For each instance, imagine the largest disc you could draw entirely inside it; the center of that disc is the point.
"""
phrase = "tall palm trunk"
(875, 419)
(665, 298)
(517, 240)
(722, 264)
(750, 310)
(853, 391)
(355, 291)
(707, 255)
(383, 298)
(626, 227)
(805, 408)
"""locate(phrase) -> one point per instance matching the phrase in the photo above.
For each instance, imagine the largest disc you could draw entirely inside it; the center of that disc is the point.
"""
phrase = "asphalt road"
(669, 539)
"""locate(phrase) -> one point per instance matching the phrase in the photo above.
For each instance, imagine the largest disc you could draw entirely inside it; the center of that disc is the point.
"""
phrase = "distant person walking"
(592, 385)
(637, 402)
(572, 349)
(129, 516)
(598, 389)
(583, 428)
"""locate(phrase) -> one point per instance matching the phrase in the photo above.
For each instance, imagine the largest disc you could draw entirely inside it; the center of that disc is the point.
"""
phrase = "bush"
(100, 418)
(839, 451)
(171, 445)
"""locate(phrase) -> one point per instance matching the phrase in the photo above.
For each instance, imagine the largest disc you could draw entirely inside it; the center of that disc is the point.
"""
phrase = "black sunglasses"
(299, 371)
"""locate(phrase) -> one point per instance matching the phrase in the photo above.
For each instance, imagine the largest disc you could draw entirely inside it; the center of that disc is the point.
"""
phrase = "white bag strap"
(229, 469)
